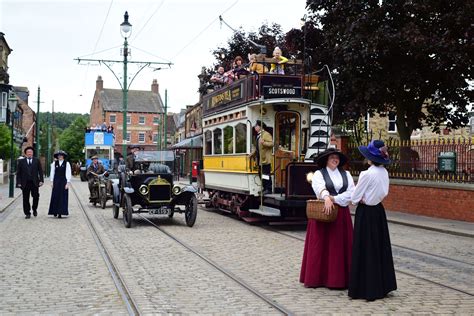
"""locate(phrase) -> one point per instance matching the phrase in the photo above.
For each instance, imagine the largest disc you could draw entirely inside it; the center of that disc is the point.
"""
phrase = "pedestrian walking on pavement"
(61, 182)
(328, 246)
(372, 270)
(29, 177)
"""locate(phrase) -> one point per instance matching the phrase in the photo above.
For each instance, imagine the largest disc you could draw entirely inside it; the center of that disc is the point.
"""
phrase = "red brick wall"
(28, 120)
(442, 202)
(134, 128)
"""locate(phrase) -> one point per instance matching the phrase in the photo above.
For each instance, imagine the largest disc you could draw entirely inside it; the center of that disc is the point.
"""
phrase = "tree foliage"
(411, 57)
(71, 139)
(57, 122)
(5, 142)
(239, 44)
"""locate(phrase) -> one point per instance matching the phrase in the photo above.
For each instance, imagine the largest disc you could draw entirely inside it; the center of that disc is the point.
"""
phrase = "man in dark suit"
(131, 165)
(29, 177)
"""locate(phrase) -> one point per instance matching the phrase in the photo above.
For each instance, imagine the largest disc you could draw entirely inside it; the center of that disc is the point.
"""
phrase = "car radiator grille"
(160, 192)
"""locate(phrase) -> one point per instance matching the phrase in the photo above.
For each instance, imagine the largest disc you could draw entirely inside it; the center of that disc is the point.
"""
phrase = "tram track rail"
(420, 252)
(221, 269)
(124, 292)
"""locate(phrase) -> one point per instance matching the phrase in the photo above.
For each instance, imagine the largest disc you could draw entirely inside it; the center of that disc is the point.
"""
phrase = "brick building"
(26, 118)
(144, 114)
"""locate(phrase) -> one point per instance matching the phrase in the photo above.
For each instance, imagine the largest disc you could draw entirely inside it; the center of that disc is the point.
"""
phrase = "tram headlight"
(143, 189)
(176, 190)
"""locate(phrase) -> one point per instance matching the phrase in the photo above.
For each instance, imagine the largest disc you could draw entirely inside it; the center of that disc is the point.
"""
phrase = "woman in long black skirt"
(372, 270)
(61, 181)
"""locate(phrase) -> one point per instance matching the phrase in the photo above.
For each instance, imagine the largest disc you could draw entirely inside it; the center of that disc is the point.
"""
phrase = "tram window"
(208, 143)
(228, 140)
(240, 138)
(217, 141)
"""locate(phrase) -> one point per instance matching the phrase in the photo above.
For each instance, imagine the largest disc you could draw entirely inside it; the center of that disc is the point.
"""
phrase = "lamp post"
(126, 30)
(12, 103)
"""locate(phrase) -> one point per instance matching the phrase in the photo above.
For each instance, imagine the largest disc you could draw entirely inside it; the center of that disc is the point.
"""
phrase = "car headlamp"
(176, 190)
(143, 189)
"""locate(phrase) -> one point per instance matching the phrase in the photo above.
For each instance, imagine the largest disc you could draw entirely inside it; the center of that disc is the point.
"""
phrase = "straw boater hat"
(376, 151)
(94, 157)
(322, 158)
(60, 152)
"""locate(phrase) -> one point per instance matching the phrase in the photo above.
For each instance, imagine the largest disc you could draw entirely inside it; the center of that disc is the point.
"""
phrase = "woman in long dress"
(328, 246)
(61, 182)
(372, 271)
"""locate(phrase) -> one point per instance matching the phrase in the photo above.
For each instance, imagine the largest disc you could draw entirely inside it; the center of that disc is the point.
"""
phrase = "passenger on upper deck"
(238, 68)
(219, 79)
(278, 67)
(255, 67)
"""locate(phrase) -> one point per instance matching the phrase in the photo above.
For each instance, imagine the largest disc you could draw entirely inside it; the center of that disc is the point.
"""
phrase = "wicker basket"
(315, 210)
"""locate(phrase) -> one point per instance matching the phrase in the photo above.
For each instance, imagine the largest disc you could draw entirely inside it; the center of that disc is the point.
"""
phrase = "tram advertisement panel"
(224, 97)
(281, 87)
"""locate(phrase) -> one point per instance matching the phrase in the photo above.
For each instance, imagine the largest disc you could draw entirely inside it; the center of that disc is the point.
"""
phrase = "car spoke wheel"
(191, 211)
(103, 198)
(127, 212)
(116, 210)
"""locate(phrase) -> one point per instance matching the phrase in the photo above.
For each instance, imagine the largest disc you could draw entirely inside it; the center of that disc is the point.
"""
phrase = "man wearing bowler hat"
(263, 152)
(29, 178)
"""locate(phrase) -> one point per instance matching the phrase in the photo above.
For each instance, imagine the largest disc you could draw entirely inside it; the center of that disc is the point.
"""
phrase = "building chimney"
(155, 86)
(99, 84)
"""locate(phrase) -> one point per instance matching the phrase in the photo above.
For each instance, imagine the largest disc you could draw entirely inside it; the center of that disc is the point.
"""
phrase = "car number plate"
(161, 211)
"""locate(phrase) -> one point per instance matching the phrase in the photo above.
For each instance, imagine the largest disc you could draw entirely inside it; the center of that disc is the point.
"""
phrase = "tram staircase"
(320, 131)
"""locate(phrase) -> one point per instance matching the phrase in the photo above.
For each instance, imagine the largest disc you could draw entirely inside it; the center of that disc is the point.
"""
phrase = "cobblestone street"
(53, 266)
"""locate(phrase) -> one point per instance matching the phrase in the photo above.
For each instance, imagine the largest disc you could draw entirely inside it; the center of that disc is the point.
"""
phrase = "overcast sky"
(47, 35)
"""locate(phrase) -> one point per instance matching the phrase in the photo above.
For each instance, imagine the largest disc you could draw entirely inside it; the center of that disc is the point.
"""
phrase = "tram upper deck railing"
(259, 86)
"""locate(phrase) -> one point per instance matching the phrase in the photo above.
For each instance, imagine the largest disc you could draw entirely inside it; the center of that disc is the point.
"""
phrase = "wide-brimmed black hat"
(322, 158)
(376, 151)
(29, 147)
(60, 152)
(133, 147)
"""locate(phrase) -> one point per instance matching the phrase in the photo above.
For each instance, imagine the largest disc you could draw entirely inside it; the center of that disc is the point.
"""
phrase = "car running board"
(266, 211)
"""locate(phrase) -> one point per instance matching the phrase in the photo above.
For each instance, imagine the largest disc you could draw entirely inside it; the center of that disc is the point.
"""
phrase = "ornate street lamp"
(12, 104)
(126, 30)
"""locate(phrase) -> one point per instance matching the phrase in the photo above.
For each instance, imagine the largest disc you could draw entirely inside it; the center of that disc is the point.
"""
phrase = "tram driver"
(263, 153)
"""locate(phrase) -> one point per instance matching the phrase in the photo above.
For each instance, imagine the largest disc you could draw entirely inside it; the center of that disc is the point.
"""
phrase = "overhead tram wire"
(97, 43)
(151, 16)
(203, 30)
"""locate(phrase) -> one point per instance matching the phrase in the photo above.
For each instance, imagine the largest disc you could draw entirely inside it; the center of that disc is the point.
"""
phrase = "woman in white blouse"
(372, 270)
(61, 182)
(328, 246)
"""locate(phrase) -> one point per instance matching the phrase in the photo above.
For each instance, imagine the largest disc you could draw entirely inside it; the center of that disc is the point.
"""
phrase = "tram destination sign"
(281, 87)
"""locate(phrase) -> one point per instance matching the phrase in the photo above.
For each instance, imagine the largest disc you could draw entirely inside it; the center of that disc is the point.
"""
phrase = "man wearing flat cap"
(131, 158)
(94, 169)
(263, 152)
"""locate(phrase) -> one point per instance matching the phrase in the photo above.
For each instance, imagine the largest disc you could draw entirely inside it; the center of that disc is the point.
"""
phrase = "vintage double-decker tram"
(294, 109)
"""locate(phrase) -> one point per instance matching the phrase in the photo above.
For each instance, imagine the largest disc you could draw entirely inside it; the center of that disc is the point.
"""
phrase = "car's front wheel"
(190, 213)
(127, 212)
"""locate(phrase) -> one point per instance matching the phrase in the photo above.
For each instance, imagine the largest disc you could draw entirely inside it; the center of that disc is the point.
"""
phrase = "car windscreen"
(154, 156)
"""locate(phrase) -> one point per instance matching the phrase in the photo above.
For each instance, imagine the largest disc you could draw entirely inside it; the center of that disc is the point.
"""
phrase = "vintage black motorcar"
(149, 188)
